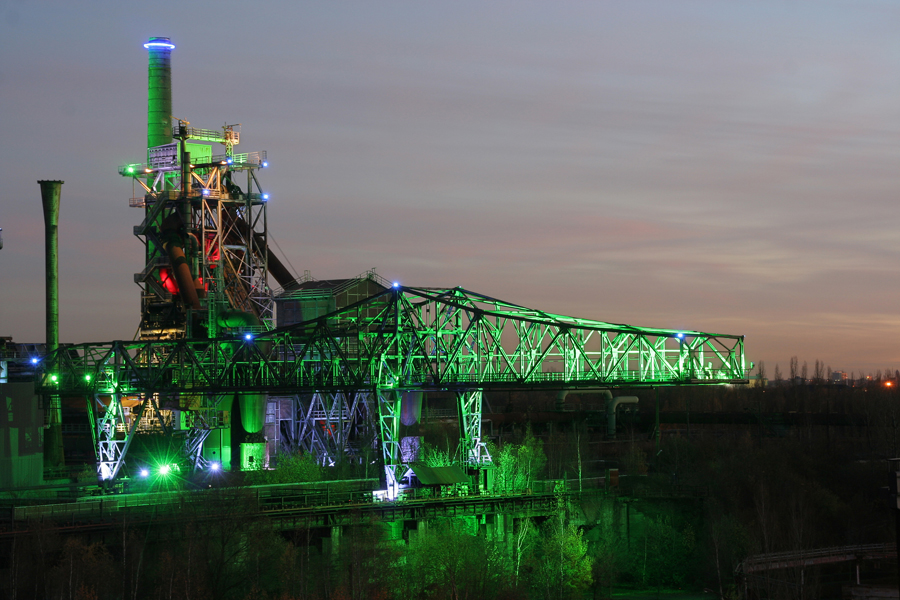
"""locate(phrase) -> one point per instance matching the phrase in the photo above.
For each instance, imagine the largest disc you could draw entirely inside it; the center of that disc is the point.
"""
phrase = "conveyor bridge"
(395, 343)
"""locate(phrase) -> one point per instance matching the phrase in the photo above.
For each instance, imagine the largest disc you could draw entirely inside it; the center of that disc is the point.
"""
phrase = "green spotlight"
(53, 378)
(87, 377)
(164, 470)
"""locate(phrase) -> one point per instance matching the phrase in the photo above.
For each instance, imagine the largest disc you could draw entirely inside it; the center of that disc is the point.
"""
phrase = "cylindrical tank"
(253, 406)
(50, 191)
(159, 92)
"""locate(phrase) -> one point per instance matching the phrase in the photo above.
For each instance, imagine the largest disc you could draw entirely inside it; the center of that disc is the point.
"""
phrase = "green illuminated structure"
(373, 351)
(348, 362)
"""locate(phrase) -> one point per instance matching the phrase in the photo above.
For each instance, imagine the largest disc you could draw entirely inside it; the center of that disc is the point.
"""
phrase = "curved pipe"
(561, 395)
(611, 405)
(173, 244)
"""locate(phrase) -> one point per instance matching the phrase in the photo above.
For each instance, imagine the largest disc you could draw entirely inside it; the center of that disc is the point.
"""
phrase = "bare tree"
(804, 372)
(794, 372)
(819, 373)
(761, 371)
(778, 376)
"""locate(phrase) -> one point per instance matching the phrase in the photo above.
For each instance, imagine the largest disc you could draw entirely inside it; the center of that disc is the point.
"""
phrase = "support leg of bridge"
(472, 449)
(328, 421)
(389, 430)
(109, 420)
(335, 539)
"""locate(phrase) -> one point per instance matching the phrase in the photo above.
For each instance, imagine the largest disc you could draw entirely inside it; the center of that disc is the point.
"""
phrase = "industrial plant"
(240, 366)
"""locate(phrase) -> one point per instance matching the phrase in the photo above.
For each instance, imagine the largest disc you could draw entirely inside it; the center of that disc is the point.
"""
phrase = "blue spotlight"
(214, 466)
(145, 472)
(265, 196)
(248, 336)
(265, 163)
(396, 284)
(35, 361)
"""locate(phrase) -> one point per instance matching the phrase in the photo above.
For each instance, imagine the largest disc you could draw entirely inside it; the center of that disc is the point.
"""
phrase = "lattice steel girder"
(471, 449)
(389, 428)
(406, 338)
(327, 421)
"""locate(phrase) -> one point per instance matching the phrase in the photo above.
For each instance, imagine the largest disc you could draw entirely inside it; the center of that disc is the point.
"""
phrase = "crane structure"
(352, 358)
(369, 358)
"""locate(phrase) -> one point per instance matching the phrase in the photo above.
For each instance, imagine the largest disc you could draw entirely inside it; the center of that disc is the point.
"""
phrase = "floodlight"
(159, 44)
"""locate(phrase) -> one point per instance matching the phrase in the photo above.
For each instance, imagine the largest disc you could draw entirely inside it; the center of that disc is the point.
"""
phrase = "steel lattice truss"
(399, 340)
(224, 237)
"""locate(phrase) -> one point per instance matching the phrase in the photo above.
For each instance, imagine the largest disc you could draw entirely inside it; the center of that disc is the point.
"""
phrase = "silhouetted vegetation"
(730, 472)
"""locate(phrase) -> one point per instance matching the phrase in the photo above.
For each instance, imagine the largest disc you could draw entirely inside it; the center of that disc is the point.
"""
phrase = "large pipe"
(50, 191)
(611, 405)
(173, 243)
(159, 91)
(274, 264)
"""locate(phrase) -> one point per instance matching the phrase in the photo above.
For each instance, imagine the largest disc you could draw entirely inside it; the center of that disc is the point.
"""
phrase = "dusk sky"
(727, 167)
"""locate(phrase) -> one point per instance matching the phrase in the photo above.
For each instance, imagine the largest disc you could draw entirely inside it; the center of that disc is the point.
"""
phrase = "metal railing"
(797, 558)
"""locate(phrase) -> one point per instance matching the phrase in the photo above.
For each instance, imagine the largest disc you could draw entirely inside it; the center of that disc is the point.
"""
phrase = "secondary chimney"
(53, 447)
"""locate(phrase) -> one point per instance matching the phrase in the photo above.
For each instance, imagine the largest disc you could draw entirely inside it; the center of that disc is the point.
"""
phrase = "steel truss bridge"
(365, 361)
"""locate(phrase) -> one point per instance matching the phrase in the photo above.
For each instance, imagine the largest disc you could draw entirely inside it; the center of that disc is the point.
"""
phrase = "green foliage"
(561, 567)
(449, 560)
(672, 553)
(292, 468)
(518, 465)
(433, 456)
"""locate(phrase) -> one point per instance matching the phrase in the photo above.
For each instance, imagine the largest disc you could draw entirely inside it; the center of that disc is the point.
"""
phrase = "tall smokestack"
(53, 447)
(159, 92)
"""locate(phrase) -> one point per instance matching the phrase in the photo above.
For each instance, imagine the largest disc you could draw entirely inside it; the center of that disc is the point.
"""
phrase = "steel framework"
(192, 200)
(398, 340)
